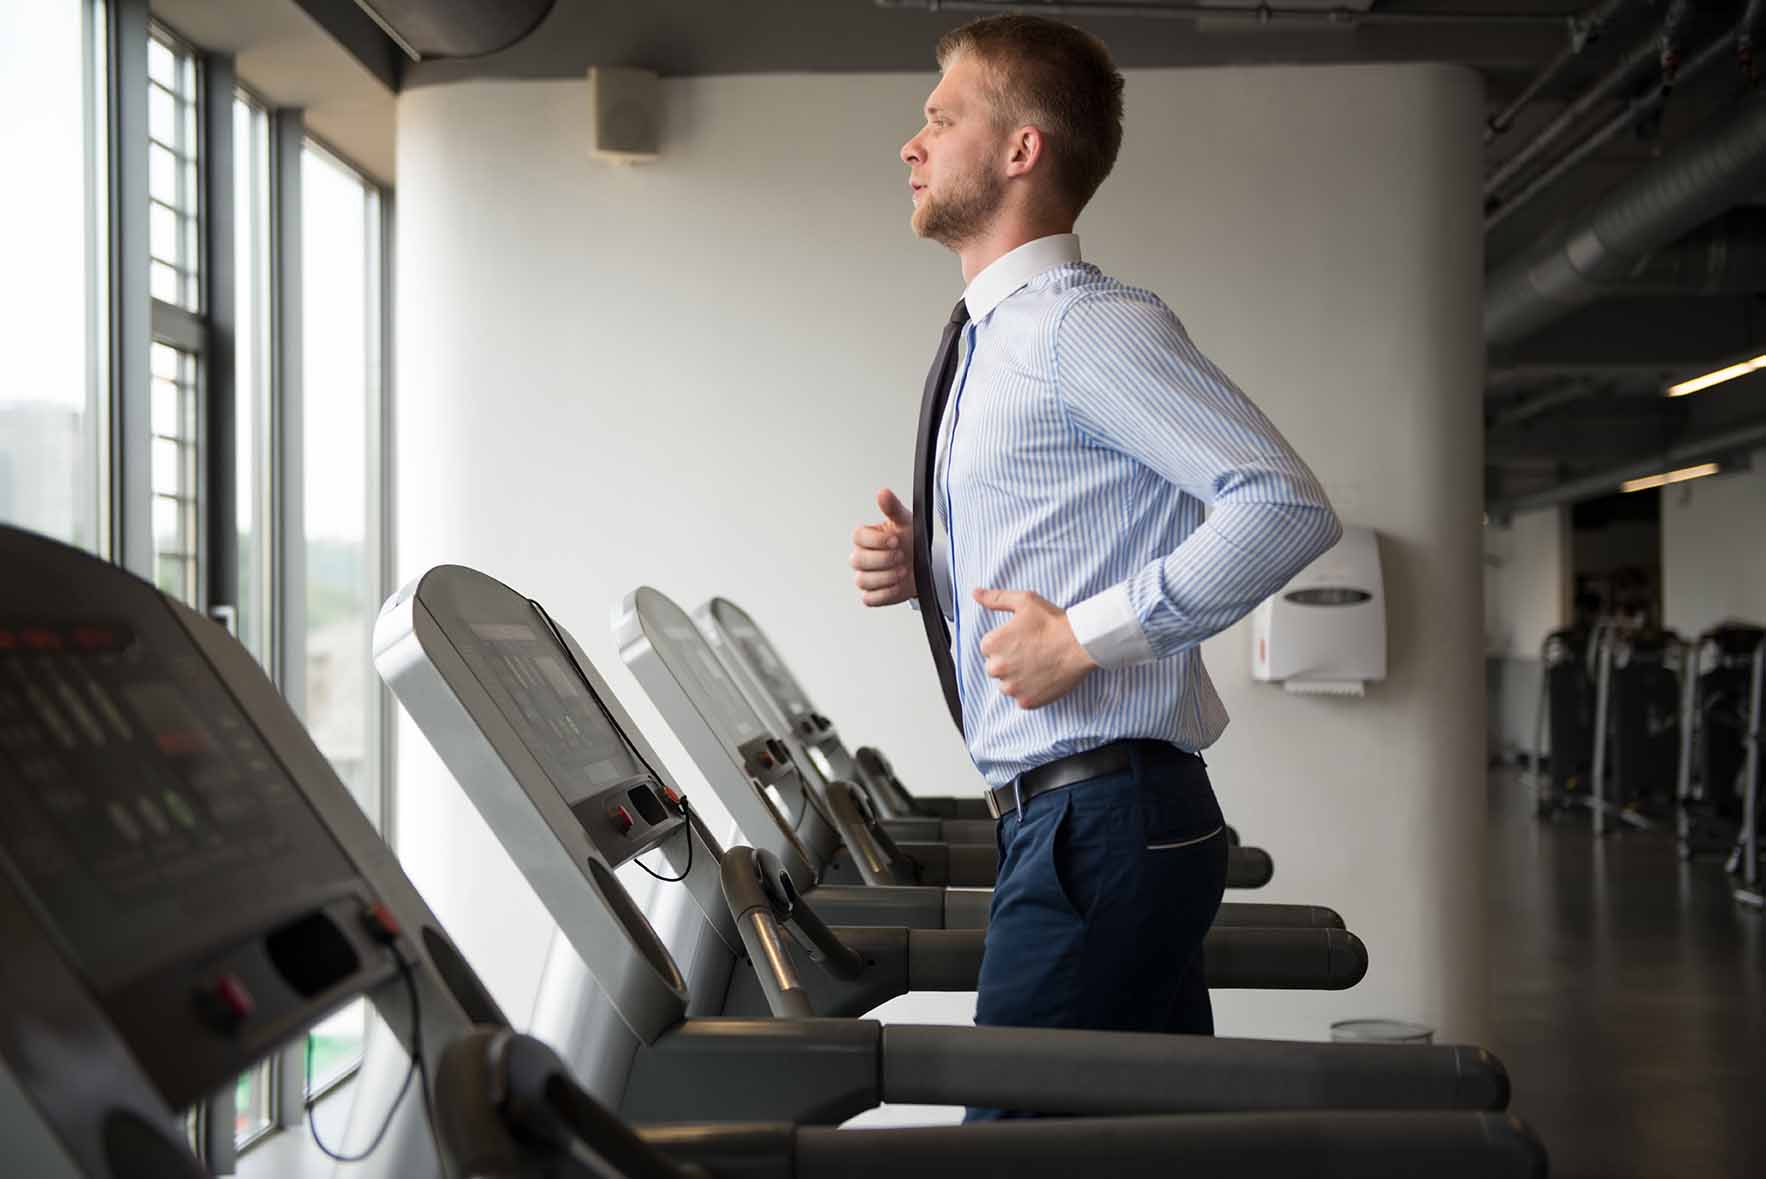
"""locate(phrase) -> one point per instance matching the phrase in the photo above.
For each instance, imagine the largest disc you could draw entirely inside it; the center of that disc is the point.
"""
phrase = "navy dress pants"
(1106, 889)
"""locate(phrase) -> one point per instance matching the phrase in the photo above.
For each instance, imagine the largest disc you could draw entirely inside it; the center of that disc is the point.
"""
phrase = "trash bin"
(1380, 1031)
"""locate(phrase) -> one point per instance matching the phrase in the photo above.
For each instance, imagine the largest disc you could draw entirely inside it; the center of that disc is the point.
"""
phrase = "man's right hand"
(883, 554)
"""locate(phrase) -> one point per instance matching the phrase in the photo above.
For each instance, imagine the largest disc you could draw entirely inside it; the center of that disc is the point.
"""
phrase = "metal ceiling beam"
(1711, 447)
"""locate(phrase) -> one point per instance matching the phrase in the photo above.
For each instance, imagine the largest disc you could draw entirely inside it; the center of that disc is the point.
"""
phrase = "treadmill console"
(715, 695)
(184, 883)
(144, 812)
(536, 741)
(739, 638)
(518, 657)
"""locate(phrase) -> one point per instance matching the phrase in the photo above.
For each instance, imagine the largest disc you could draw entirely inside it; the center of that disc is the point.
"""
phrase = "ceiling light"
(1718, 377)
(1680, 476)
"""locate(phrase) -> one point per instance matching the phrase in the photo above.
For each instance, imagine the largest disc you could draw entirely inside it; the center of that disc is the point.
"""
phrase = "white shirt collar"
(1009, 272)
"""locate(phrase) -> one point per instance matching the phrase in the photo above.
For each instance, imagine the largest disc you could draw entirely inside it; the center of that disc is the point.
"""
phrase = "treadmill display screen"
(528, 673)
(692, 662)
(141, 804)
(759, 655)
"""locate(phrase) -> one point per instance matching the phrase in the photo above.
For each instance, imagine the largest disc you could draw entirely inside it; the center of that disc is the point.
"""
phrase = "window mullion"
(288, 609)
(131, 407)
(219, 266)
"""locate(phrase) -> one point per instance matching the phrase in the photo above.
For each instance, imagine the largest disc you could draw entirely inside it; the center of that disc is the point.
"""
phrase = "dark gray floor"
(1628, 996)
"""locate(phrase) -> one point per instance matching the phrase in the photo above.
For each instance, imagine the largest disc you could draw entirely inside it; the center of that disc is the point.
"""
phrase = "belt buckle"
(993, 803)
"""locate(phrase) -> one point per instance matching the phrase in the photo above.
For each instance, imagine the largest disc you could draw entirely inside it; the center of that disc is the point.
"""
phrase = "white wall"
(1526, 581)
(696, 374)
(1713, 556)
(1526, 597)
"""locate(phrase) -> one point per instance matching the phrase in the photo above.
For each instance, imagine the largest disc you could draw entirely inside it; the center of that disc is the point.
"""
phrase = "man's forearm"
(1239, 556)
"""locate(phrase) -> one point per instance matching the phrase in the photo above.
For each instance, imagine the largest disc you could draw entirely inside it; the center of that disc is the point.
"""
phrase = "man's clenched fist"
(1033, 655)
(883, 554)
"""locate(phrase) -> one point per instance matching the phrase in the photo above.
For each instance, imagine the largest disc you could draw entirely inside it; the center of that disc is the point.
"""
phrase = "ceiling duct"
(1660, 203)
(427, 29)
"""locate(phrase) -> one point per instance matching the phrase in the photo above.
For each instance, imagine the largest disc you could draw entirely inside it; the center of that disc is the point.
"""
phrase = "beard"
(963, 213)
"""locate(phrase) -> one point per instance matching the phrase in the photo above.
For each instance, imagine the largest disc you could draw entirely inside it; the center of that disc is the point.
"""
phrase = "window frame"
(131, 320)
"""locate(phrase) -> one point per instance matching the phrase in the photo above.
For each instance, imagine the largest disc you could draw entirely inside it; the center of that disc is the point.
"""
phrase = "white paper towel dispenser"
(1325, 631)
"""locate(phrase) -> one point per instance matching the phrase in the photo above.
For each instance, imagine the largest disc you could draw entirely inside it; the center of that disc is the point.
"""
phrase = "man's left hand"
(1034, 656)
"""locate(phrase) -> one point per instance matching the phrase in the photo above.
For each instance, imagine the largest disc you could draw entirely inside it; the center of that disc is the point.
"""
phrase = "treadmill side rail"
(1257, 1146)
(1051, 1071)
(748, 1070)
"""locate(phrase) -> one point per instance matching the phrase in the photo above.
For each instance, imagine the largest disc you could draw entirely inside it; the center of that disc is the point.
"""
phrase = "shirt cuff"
(1106, 626)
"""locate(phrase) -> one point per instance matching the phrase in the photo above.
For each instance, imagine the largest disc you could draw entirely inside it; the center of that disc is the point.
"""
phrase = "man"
(1070, 437)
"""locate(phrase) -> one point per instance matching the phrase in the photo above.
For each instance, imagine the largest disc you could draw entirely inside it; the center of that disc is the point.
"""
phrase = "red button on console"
(622, 819)
(381, 922)
(234, 997)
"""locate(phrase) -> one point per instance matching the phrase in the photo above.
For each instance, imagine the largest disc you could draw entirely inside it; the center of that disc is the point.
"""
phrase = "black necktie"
(938, 382)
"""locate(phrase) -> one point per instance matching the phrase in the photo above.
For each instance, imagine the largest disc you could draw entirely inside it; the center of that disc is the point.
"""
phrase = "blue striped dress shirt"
(1084, 436)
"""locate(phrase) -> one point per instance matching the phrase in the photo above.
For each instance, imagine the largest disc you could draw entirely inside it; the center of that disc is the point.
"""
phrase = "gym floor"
(1628, 998)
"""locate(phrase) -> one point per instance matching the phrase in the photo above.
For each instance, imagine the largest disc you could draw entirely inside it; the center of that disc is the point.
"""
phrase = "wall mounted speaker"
(627, 114)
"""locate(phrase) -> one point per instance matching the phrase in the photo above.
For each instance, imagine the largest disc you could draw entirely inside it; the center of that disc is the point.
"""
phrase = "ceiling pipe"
(1699, 450)
(1584, 30)
(1639, 57)
(1658, 204)
(1633, 112)
(1724, 257)
(1528, 408)
(1745, 31)
(1262, 14)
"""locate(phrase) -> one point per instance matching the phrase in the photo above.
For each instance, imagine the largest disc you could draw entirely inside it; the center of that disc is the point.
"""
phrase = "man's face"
(953, 162)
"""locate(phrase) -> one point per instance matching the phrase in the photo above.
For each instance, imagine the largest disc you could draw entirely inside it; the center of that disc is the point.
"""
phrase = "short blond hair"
(1059, 79)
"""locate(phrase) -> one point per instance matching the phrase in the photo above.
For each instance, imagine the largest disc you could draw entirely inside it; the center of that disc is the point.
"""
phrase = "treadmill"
(553, 763)
(767, 683)
(150, 962)
(838, 837)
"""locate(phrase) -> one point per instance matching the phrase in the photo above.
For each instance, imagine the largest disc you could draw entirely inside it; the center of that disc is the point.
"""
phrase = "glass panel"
(161, 65)
(334, 1046)
(163, 282)
(167, 523)
(167, 465)
(50, 411)
(251, 1098)
(163, 358)
(340, 399)
(162, 114)
(162, 174)
(342, 594)
(164, 240)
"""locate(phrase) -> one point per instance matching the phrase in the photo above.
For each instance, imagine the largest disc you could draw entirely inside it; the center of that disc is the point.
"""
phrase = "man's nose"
(910, 152)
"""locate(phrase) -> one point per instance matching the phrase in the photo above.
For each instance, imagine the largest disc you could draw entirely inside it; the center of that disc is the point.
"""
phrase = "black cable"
(417, 1067)
(687, 830)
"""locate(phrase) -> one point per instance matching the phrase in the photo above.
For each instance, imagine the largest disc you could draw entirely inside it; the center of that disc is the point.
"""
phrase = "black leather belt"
(1065, 771)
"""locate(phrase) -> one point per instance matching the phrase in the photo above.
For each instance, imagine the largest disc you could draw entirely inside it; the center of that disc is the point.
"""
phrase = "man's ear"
(1025, 151)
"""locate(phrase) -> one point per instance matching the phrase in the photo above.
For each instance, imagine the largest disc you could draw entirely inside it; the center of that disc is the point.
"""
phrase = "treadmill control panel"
(140, 801)
(164, 847)
(522, 661)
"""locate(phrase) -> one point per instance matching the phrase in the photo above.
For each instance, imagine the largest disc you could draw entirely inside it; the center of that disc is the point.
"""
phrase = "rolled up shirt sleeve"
(1130, 380)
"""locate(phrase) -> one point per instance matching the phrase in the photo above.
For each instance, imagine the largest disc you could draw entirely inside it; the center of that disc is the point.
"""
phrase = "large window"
(341, 406)
(150, 413)
(53, 422)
